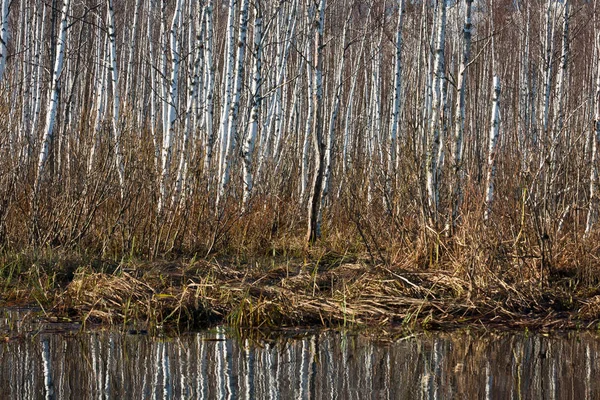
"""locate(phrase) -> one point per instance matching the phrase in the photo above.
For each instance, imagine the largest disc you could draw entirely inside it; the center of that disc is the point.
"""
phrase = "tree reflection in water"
(328, 365)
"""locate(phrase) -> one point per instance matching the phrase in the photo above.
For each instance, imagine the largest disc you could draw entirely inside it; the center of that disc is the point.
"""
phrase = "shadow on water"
(38, 362)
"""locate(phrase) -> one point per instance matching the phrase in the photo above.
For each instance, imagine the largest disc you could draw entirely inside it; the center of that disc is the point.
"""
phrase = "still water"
(56, 362)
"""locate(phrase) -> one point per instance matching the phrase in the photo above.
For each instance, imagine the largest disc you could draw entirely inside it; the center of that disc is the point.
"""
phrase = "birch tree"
(37, 71)
(525, 96)
(334, 113)
(194, 84)
(208, 97)
(3, 36)
(171, 108)
(228, 87)
(116, 122)
(391, 173)
(100, 104)
(437, 113)
(492, 150)
(250, 137)
(560, 94)
(549, 50)
(459, 116)
(232, 123)
(52, 104)
(129, 79)
(309, 111)
(592, 214)
(120, 113)
(314, 203)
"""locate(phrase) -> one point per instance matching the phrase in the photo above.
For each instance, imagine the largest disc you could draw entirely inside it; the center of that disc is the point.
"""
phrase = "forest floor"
(318, 290)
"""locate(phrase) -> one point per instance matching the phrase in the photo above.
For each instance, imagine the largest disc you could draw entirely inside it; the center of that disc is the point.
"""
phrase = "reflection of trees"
(328, 365)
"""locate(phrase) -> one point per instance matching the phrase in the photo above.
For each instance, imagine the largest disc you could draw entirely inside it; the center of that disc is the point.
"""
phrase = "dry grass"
(370, 269)
(357, 294)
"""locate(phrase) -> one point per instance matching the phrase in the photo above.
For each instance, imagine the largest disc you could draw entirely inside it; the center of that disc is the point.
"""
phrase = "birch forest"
(191, 126)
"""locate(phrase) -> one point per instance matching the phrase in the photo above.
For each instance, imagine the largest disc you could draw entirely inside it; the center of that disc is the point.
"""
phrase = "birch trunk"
(167, 145)
(209, 88)
(153, 92)
(129, 84)
(228, 86)
(194, 83)
(248, 148)
(545, 109)
(116, 121)
(436, 114)
(38, 60)
(52, 97)
(459, 118)
(3, 36)
(100, 93)
(346, 143)
(560, 92)
(314, 203)
(232, 124)
(592, 215)
(274, 120)
(309, 114)
(494, 132)
(524, 100)
(391, 173)
(333, 117)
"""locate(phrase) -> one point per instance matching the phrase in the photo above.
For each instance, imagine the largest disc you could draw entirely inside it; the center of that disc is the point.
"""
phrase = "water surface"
(57, 362)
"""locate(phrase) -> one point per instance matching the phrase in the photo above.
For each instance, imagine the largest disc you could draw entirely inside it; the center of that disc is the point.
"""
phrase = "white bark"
(130, 62)
(309, 116)
(459, 118)
(194, 83)
(153, 92)
(428, 95)
(100, 93)
(25, 41)
(232, 124)
(274, 119)
(209, 88)
(198, 126)
(248, 148)
(314, 203)
(47, 368)
(167, 145)
(347, 123)
(228, 87)
(560, 89)
(3, 36)
(37, 78)
(592, 215)
(524, 100)
(494, 132)
(116, 121)
(397, 99)
(376, 98)
(53, 95)
(334, 113)
(436, 113)
(164, 90)
(549, 48)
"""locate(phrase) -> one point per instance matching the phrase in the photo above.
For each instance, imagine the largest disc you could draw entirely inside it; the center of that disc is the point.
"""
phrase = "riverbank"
(321, 289)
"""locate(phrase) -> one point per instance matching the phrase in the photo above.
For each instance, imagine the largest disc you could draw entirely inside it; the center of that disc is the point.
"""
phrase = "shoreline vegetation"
(473, 286)
(428, 164)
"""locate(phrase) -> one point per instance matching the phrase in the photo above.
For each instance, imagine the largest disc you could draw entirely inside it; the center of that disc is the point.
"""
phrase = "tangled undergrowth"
(472, 284)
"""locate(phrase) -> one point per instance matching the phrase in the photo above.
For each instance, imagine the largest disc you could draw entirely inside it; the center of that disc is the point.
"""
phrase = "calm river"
(56, 362)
